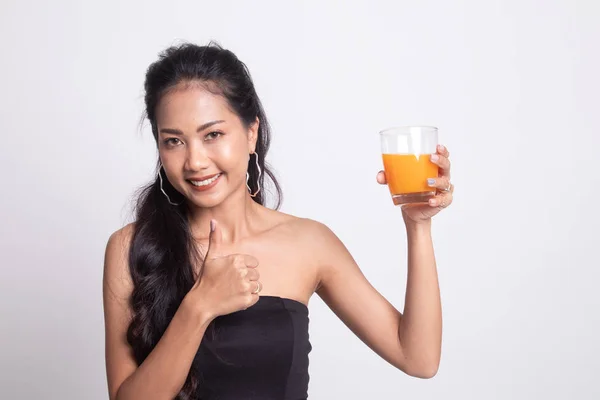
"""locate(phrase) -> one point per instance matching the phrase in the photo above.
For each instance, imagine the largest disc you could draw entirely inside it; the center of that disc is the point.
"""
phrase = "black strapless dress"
(259, 353)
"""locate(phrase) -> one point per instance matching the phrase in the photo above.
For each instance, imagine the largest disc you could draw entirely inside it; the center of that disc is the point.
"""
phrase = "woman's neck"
(237, 216)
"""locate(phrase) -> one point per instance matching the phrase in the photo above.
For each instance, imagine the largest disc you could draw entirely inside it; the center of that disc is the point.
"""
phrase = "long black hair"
(163, 252)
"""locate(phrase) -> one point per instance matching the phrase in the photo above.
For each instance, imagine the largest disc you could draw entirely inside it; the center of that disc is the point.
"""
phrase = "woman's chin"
(204, 201)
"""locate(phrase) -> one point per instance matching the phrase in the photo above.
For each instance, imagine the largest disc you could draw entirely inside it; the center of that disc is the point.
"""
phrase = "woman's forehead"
(194, 104)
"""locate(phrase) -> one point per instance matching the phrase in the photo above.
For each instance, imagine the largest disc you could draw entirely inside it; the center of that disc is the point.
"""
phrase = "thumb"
(214, 239)
(381, 178)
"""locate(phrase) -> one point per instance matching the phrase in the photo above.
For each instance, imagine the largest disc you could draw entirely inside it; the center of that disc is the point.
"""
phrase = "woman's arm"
(163, 373)
(412, 340)
(409, 341)
(420, 330)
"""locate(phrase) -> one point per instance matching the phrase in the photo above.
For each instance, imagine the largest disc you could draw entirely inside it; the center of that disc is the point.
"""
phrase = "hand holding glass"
(406, 153)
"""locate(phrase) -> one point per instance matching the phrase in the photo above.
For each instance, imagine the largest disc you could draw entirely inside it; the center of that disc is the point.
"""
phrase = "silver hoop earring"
(161, 187)
(257, 180)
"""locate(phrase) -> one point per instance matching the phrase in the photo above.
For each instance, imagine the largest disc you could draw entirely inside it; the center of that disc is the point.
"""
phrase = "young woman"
(206, 293)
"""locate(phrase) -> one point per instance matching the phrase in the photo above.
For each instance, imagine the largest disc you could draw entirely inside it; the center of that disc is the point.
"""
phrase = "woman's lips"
(212, 181)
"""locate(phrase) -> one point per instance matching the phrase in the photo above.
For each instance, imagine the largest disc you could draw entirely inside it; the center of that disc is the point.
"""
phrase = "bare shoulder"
(121, 239)
(307, 246)
(312, 230)
(116, 289)
(328, 255)
(299, 226)
(117, 279)
(312, 235)
(313, 239)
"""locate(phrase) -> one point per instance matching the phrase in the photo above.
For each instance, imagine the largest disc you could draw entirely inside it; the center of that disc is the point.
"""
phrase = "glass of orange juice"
(406, 153)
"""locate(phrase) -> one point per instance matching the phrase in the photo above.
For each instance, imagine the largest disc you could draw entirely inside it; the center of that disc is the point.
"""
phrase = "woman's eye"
(213, 135)
(172, 141)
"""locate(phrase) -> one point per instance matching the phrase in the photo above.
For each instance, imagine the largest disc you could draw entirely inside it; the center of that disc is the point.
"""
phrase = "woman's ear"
(253, 135)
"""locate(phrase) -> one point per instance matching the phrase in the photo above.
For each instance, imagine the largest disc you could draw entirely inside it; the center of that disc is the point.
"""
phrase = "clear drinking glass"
(406, 155)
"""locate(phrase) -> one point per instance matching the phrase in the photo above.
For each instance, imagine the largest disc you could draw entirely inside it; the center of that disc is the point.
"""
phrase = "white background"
(512, 85)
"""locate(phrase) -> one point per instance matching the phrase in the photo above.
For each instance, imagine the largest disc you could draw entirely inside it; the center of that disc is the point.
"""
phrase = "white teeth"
(205, 182)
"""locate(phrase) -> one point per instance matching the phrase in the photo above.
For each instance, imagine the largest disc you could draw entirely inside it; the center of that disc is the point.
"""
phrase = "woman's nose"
(196, 158)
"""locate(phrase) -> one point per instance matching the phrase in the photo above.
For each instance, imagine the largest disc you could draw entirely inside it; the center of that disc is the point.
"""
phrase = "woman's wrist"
(197, 309)
(423, 226)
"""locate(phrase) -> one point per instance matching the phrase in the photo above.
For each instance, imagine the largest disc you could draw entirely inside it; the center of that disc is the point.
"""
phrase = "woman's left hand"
(421, 212)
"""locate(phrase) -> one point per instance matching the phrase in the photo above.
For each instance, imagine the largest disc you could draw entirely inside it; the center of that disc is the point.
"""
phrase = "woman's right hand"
(227, 283)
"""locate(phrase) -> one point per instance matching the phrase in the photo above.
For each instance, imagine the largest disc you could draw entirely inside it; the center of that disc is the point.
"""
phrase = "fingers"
(440, 183)
(381, 178)
(440, 158)
(441, 162)
(214, 239)
(250, 282)
(253, 274)
(243, 260)
(443, 151)
(442, 200)
(249, 261)
(256, 287)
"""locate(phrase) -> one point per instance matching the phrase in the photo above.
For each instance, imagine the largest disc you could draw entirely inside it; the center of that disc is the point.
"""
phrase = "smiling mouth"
(205, 182)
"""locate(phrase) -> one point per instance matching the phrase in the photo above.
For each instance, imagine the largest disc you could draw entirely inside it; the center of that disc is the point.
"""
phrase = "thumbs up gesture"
(227, 283)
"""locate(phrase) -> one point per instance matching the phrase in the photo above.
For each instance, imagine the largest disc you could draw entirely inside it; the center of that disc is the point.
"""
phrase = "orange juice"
(408, 173)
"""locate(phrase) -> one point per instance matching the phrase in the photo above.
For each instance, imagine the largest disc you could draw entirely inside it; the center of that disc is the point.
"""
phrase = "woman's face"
(203, 145)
